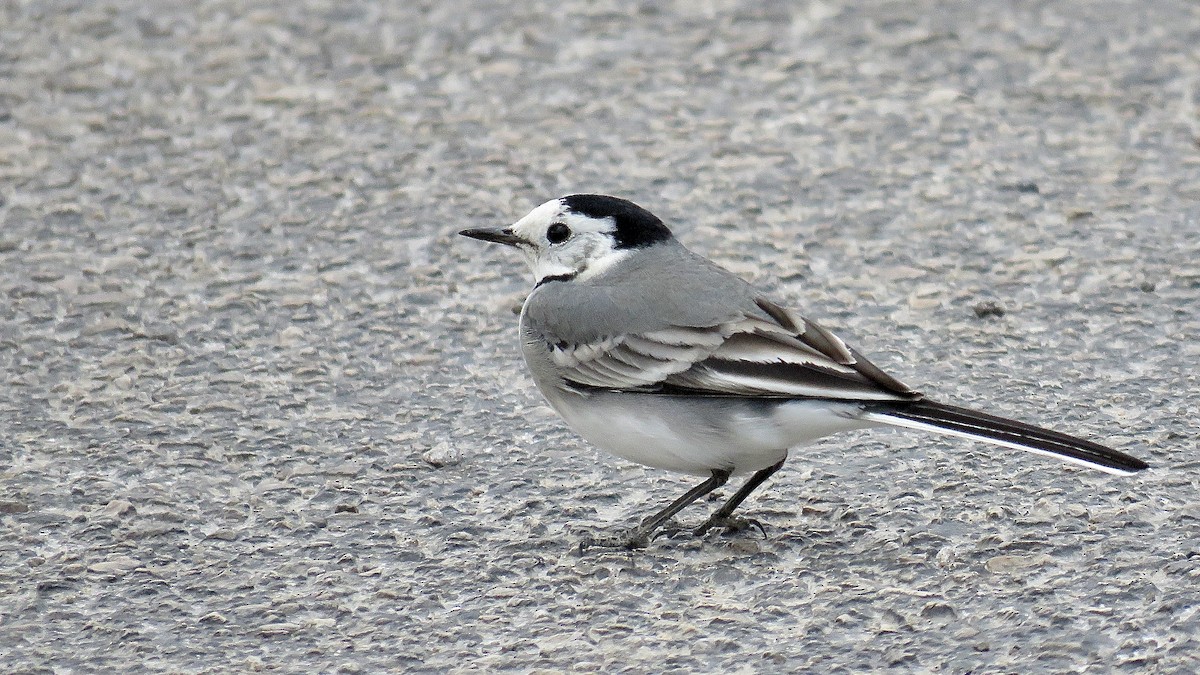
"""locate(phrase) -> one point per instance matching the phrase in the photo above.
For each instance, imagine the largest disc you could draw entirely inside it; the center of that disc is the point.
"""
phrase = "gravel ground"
(262, 410)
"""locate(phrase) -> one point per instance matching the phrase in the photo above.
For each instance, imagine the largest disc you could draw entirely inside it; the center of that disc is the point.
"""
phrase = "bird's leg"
(639, 536)
(723, 517)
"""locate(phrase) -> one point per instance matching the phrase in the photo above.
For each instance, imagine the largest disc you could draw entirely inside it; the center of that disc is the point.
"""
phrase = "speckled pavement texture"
(262, 409)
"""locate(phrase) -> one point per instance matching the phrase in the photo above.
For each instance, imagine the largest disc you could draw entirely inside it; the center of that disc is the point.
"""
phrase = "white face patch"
(588, 249)
(601, 263)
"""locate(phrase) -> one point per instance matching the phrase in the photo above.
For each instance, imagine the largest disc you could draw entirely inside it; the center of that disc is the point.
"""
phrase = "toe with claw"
(730, 524)
(630, 540)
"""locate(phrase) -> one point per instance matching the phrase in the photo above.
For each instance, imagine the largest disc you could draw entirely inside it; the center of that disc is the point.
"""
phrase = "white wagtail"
(659, 356)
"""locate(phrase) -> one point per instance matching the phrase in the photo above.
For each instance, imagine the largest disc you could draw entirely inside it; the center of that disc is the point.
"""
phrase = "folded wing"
(767, 352)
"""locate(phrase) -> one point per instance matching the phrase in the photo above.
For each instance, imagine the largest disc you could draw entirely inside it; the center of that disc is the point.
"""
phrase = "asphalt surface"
(262, 410)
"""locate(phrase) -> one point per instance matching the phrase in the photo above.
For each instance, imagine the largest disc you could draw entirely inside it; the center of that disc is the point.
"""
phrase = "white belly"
(696, 435)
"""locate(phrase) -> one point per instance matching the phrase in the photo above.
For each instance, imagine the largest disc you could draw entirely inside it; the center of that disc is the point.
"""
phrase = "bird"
(659, 356)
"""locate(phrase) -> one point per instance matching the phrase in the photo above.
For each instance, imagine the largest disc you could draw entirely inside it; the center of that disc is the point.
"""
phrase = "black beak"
(500, 236)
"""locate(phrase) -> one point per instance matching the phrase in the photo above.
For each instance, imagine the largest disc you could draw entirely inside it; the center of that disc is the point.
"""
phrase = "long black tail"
(949, 419)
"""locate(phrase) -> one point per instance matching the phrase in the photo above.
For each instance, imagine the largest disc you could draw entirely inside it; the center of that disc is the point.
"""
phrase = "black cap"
(635, 227)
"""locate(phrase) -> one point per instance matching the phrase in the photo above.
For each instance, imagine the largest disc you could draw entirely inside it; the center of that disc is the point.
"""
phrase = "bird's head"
(578, 236)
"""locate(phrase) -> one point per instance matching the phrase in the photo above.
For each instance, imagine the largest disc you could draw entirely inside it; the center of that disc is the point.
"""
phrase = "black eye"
(558, 233)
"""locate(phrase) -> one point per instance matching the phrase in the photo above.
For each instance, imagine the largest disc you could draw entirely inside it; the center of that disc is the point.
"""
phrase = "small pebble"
(988, 308)
(442, 454)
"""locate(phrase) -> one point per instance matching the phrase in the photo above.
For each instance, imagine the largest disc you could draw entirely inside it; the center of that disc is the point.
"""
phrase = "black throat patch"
(635, 227)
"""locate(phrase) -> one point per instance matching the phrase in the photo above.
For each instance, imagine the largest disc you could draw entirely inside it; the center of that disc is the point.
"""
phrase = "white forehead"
(536, 221)
(533, 225)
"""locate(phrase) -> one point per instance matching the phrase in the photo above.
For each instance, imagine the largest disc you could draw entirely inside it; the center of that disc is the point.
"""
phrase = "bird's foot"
(730, 524)
(629, 540)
